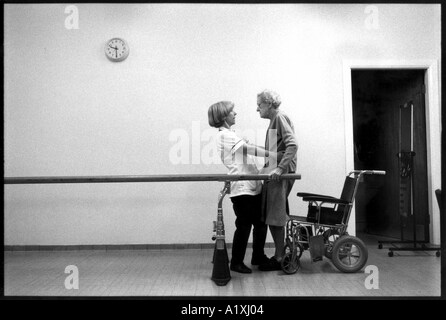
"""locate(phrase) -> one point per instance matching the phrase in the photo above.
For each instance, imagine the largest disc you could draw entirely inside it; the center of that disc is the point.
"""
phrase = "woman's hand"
(276, 173)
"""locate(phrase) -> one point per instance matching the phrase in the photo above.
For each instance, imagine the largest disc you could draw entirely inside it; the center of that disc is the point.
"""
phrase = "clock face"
(116, 49)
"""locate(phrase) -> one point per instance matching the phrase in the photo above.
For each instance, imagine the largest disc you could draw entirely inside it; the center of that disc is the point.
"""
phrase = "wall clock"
(116, 49)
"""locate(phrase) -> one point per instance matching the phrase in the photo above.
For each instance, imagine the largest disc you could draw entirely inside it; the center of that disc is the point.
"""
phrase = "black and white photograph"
(222, 151)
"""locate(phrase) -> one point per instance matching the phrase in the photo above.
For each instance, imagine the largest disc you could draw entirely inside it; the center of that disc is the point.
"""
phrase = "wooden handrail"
(142, 178)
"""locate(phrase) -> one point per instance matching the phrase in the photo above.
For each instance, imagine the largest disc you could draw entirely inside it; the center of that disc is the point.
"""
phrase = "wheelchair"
(324, 230)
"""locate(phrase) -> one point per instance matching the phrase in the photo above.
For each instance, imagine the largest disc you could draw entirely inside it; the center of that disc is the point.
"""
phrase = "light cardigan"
(279, 138)
(285, 144)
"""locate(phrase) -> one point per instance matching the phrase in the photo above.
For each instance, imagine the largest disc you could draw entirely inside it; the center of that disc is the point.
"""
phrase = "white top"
(230, 148)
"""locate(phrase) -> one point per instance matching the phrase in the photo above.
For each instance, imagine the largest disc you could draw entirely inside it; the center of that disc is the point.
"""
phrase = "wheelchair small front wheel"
(349, 254)
(290, 263)
(330, 237)
(298, 247)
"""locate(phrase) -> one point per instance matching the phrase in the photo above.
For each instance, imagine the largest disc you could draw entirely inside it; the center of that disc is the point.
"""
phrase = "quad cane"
(220, 272)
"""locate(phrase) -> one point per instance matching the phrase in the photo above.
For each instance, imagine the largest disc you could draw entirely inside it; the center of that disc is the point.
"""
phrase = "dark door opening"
(378, 95)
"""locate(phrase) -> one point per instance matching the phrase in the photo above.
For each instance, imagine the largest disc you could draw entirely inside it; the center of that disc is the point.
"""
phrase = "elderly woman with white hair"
(280, 138)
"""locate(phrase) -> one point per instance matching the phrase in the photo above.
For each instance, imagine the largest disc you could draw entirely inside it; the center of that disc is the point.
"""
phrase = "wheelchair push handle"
(361, 172)
(380, 172)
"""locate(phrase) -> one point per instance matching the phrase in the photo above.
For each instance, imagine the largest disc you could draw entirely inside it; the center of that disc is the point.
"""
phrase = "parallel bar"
(147, 178)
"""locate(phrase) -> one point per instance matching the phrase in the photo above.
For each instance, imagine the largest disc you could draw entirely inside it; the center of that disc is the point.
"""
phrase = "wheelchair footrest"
(317, 247)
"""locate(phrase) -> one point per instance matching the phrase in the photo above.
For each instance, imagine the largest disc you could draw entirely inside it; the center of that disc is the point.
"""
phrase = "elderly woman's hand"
(276, 173)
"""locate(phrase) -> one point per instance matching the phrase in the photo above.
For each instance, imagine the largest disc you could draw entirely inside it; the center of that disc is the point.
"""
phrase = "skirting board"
(105, 247)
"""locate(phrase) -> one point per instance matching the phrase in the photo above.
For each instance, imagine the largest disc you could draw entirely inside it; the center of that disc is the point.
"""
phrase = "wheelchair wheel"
(290, 263)
(299, 250)
(349, 254)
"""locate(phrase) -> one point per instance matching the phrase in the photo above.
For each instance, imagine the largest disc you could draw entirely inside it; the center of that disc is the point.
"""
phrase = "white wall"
(71, 112)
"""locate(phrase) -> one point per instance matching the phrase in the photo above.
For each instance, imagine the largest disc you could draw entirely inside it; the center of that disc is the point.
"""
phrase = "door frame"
(433, 127)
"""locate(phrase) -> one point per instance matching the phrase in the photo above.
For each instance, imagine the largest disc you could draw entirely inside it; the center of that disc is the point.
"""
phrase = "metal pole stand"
(220, 273)
(407, 183)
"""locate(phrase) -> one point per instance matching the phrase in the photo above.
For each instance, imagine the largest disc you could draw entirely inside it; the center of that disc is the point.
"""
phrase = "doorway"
(377, 96)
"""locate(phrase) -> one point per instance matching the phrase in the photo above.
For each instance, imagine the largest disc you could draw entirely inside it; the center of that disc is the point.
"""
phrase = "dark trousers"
(248, 210)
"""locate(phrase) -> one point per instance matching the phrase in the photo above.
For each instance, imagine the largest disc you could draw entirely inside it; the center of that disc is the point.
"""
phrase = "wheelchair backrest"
(348, 192)
(349, 189)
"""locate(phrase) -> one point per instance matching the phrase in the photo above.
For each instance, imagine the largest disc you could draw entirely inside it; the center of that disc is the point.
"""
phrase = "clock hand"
(116, 50)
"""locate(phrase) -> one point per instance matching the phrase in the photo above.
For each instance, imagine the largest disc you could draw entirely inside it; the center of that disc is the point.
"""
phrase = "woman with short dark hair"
(236, 154)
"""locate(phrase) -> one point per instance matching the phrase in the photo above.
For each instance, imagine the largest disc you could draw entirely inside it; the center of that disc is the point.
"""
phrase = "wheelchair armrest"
(306, 194)
(325, 199)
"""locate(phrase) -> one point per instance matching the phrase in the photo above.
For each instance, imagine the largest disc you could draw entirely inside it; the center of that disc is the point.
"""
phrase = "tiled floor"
(187, 272)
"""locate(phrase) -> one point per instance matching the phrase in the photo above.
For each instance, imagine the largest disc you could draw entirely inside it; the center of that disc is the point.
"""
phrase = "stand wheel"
(290, 263)
(380, 246)
(437, 253)
(390, 253)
